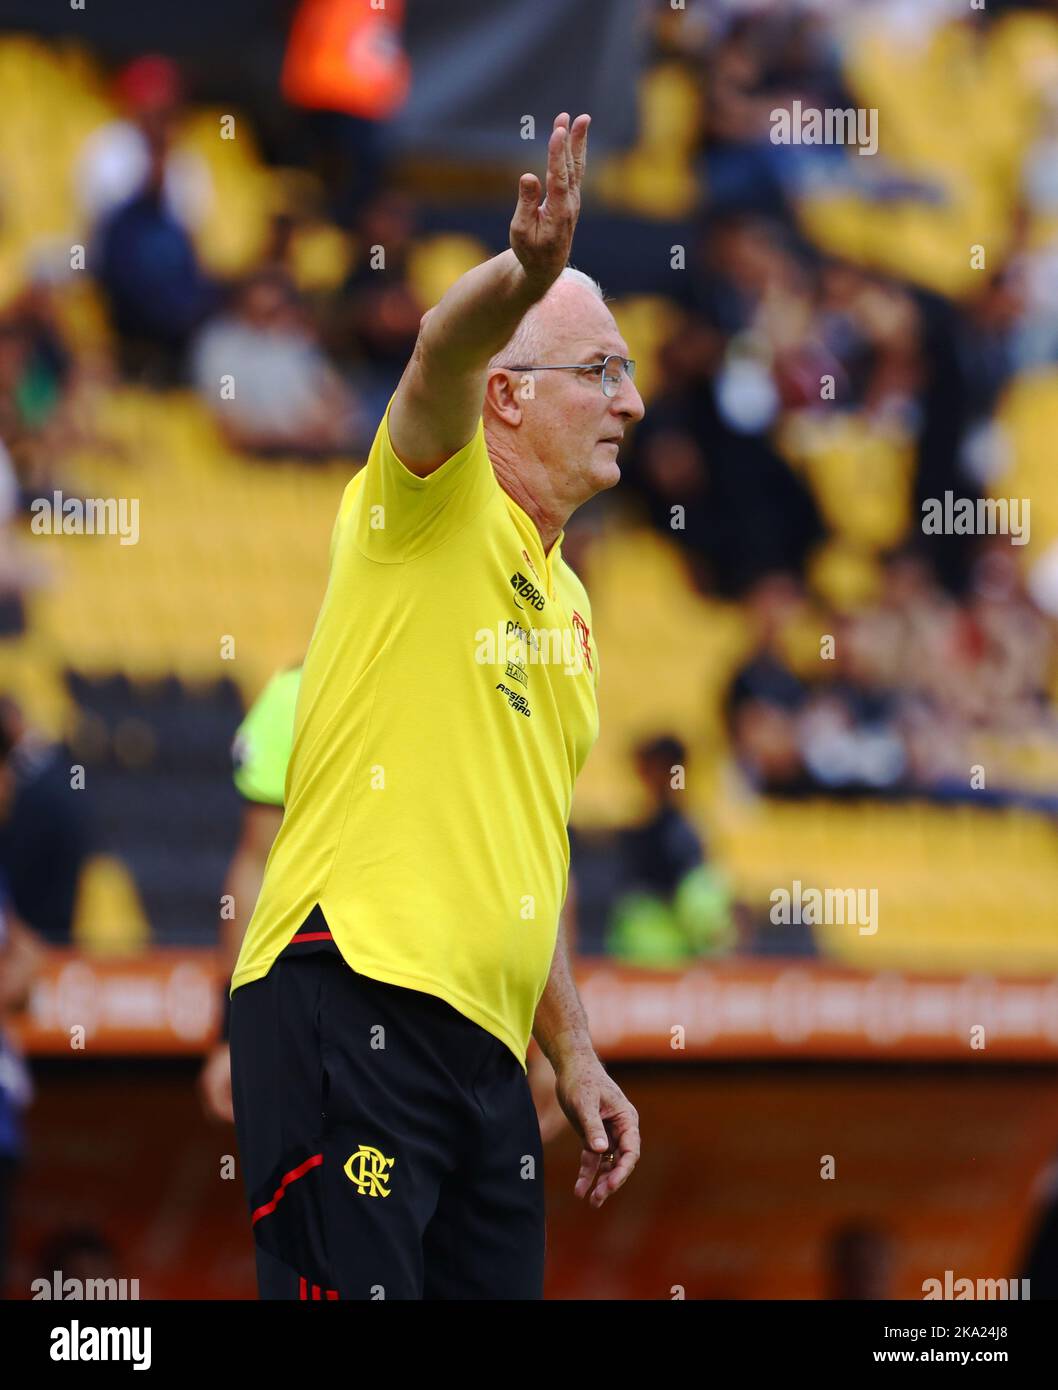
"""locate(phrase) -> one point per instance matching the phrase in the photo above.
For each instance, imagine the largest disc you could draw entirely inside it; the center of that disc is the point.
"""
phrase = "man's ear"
(504, 391)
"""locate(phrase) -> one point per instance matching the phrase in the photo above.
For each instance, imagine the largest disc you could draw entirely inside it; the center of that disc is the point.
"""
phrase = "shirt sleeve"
(261, 748)
(403, 516)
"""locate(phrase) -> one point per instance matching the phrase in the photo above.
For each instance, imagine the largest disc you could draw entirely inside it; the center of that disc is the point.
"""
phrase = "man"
(260, 753)
(45, 833)
(669, 904)
(406, 943)
(21, 958)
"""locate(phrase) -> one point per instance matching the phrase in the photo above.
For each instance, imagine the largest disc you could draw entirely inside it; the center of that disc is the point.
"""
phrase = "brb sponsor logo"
(527, 590)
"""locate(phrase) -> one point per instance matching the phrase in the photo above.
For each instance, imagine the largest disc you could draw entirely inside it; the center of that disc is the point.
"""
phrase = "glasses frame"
(627, 363)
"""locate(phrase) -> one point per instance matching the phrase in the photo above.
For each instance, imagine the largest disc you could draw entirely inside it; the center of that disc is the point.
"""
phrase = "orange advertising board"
(166, 1003)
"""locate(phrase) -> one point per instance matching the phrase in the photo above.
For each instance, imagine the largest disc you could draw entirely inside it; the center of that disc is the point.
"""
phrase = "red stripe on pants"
(288, 1178)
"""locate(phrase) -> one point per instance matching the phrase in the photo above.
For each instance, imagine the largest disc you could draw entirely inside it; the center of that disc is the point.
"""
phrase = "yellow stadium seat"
(108, 915)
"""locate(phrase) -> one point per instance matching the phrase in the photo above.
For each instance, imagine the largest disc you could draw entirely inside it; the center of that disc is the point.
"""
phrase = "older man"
(406, 941)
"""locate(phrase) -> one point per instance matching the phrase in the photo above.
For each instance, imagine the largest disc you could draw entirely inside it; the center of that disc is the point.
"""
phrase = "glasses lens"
(611, 375)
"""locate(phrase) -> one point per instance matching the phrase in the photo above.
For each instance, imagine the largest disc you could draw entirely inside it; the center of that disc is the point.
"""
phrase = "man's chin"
(605, 474)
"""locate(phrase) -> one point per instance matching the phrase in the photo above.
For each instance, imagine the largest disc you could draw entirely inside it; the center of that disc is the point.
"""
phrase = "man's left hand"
(606, 1121)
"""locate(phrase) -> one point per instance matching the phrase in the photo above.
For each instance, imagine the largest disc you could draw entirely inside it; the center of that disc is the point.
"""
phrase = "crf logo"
(366, 1169)
(583, 632)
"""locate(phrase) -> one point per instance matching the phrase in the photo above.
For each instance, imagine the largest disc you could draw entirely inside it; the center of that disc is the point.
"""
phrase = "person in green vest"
(260, 752)
(673, 906)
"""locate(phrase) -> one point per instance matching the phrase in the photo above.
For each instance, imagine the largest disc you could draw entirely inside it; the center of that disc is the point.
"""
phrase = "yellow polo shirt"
(447, 705)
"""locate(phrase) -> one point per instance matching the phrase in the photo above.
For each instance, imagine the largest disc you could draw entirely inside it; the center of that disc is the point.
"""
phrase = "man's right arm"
(437, 405)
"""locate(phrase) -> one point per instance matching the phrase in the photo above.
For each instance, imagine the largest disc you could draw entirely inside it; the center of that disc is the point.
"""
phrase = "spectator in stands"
(20, 959)
(848, 728)
(345, 65)
(378, 315)
(44, 834)
(765, 697)
(266, 379)
(115, 162)
(34, 366)
(757, 63)
(672, 906)
(147, 265)
(707, 447)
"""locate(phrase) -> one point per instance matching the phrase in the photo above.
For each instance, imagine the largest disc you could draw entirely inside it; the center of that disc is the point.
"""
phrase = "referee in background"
(406, 941)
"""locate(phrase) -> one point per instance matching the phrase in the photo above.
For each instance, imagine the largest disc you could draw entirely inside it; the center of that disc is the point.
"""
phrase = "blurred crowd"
(816, 369)
(882, 661)
(908, 695)
(789, 363)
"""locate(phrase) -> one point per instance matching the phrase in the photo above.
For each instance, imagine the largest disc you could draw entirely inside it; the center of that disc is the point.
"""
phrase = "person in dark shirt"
(44, 835)
(672, 904)
(158, 294)
(657, 854)
(20, 958)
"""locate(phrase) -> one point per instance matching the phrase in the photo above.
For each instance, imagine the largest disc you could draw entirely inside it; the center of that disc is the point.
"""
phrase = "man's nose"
(628, 402)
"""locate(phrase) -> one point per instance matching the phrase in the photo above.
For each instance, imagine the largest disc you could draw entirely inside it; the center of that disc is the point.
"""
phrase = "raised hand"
(542, 233)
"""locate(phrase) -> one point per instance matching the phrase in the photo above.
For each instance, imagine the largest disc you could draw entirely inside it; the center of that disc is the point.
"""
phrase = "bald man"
(406, 942)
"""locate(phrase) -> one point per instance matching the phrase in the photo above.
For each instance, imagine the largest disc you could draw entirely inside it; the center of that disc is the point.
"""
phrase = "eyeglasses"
(610, 370)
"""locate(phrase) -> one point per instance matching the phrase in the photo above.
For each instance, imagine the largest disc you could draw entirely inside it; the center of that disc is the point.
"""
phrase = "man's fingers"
(589, 1166)
(579, 145)
(591, 1126)
(625, 1151)
(597, 1145)
(613, 1178)
(523, 222)
(529, 190)
(557, 172)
